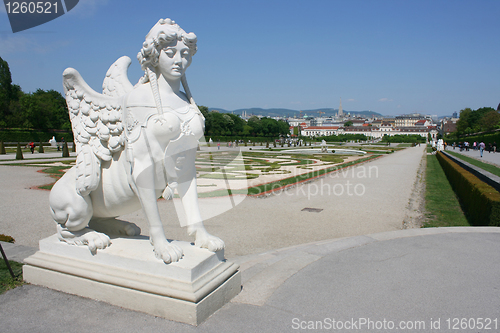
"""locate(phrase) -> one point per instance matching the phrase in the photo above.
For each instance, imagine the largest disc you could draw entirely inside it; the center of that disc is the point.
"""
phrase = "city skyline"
(389, 57)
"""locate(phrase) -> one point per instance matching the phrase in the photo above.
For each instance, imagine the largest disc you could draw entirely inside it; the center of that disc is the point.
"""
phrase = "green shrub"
(404, 138)
(7, 239)
(480, 201)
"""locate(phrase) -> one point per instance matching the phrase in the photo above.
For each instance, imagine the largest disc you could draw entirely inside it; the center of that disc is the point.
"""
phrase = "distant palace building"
(400, 125)
(408, 120)
(319, 130)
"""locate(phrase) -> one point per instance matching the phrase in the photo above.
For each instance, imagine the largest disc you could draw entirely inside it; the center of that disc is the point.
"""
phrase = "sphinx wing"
(97, 125)
(116, 82)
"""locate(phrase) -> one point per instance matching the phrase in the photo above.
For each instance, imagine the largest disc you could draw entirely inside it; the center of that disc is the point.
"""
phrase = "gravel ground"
(369, 198)
(415, 211)
(25, 211)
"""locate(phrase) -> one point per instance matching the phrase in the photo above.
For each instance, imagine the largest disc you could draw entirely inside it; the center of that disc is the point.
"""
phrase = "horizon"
(388, 57)
(326, 108)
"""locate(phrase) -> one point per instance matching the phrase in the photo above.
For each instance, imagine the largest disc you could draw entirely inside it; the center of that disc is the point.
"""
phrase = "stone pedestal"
(128, 275)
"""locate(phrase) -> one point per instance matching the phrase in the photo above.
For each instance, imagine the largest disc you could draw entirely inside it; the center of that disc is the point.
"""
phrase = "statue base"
(127, 274)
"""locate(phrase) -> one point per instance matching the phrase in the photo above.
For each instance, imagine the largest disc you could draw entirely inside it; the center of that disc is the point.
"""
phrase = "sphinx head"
(166, 33)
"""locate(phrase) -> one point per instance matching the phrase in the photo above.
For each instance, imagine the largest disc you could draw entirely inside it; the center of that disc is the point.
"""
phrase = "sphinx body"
(134, 143)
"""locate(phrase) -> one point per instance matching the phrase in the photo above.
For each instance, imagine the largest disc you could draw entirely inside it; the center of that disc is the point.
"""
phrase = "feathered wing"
(96, 120)
(116, 83)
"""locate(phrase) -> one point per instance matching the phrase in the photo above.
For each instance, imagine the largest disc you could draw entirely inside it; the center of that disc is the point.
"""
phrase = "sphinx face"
(174, 59)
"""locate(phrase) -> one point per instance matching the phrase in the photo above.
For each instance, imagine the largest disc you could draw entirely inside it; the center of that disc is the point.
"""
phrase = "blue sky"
(391, 57)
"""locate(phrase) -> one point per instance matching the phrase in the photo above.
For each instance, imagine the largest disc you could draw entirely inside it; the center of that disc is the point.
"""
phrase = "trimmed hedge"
(18, 135)
(487, 138)
(225, 139)
(480, 201)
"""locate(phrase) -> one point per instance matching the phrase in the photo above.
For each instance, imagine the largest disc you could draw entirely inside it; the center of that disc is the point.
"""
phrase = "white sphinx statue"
(133, 143)
(53, 142)
(440, 145)
(324, 148)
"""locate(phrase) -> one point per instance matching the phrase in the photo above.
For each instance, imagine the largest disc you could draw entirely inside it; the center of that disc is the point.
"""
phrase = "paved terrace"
(488, 157)
(350, 262)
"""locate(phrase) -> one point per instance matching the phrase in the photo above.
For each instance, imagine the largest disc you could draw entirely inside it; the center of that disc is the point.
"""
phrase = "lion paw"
(93, 239)
(207, 241)
(167, 252)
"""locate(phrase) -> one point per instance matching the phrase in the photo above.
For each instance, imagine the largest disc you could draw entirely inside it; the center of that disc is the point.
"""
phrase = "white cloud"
(351, 100)
(385, 100)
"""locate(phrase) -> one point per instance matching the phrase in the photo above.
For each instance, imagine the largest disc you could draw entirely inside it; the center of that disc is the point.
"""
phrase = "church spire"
(340, 113)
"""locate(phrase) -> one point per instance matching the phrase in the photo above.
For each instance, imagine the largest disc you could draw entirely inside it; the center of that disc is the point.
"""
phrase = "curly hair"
(162, 34)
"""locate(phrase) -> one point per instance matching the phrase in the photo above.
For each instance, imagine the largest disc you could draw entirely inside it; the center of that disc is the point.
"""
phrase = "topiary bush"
(65, 151)
(19, 152)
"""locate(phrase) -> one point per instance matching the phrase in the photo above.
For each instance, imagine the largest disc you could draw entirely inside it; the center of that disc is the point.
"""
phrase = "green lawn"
(485, 166)
(6, 281)
(441, 203)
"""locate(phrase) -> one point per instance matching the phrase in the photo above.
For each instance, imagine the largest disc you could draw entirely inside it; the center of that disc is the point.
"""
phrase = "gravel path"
(369, 198)
(24, 211)
(378, 202)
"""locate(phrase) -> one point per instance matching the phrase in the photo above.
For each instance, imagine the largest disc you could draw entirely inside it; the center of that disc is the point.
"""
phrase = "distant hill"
(295, 113)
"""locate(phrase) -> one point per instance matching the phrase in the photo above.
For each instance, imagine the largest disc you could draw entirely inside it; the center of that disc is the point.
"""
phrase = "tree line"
(47, 110)
(41, 110)
(230, 125)
(474, 121)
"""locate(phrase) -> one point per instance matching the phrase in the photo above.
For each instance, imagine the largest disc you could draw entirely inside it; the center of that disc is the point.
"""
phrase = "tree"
(45, 110)
(490, 120)
(238, 124)
(217, 126)
(203, 110)
(283, 127)
(5, 89)
(222, 124)
(247, 130)
(255, 124)
(348, 123)
(269, 126)
(228, 122)
(473, 121)
(463, 121)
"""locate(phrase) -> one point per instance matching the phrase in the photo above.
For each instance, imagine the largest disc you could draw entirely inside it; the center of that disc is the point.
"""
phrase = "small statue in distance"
(53, 142)
(440, 145)
(324, 147)
(133, 143)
